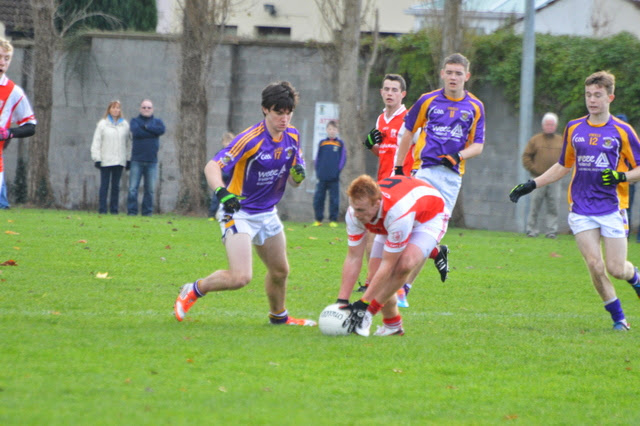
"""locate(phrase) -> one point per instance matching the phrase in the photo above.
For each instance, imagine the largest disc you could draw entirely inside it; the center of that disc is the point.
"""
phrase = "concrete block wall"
(130, 68)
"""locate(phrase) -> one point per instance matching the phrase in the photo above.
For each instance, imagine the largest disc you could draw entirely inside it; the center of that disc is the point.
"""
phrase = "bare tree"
(203, 25)
(38, 183)
(344, 18)
(47, 40)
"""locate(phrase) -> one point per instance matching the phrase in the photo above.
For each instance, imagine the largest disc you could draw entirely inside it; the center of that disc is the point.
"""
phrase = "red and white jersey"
(14, 108)
(392, 130)
(407, 203)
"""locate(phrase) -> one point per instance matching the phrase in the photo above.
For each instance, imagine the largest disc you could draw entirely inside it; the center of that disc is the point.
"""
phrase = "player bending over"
(409, 219)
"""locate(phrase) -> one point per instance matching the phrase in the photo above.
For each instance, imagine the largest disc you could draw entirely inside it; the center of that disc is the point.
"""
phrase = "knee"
(239, 280)
(616, 270)
(595, 265)
(280, 274)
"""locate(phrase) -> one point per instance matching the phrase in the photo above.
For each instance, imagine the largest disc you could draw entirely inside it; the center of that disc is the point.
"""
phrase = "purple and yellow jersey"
(259, 166)
(449, 125)
(590, 149)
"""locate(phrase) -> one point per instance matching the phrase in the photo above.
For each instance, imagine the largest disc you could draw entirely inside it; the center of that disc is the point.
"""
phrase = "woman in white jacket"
(110, 152)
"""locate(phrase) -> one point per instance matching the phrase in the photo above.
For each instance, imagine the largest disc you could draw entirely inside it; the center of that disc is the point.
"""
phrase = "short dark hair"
(281, 96)
(398, 78)
(332, 123)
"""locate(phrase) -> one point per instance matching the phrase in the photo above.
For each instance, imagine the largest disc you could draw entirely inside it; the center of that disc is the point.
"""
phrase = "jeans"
(4, 201)
(109, 176)
(334, 199)
(138, 171)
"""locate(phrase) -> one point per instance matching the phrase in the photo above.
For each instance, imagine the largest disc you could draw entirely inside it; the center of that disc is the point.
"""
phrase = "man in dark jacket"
(330, 161)
(145, 133)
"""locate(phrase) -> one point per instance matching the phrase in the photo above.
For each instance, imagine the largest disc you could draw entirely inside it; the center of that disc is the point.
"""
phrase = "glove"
(128, 166)
(373, 138)
(344, 303)
(5, 134)
(297, 173)
(97, 164)
(229, 201)
(397, 171)
(611, 177)
(522, 189)
(358, 310)
(450, 160)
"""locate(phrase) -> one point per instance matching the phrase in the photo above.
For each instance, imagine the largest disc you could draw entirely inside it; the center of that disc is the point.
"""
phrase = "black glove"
(344, 303)
(450, 160)
(97, 164)
(128, 166)
(374, 137)
(397, 171)
(297, 173)
(611, 177)
(522, 189)
(358, 310)
(229, 201)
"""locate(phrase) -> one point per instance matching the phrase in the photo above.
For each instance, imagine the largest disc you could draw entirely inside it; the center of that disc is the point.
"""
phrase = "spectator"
(145, 132)
(330, 160)
(109, 152)
(542, 151)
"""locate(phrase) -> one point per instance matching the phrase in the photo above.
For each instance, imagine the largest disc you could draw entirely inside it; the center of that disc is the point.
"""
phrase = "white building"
(298, 20)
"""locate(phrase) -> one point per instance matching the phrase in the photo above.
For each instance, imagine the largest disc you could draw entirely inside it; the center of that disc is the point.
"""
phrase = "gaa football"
(333, 322)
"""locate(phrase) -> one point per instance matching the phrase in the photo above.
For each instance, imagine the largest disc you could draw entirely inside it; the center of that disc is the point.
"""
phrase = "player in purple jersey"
(452, 124)
(604, 153)
(260, 160)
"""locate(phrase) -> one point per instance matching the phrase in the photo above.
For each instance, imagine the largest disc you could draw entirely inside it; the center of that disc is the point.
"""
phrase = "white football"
(332, 320)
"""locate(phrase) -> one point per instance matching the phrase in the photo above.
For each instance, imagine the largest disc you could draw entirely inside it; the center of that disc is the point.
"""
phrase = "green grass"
(516, 334)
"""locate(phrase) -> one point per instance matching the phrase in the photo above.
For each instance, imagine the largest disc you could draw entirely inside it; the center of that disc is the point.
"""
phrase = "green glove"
(297, 173)
(611, 177)
(374, 137)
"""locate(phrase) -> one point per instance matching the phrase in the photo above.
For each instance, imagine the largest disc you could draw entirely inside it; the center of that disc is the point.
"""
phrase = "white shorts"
(259, 226)
(445, 180)
(425, 236)
(613, 225)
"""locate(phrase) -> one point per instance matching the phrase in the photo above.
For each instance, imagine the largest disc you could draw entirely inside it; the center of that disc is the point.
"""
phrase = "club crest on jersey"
(395, 236)
(290, 152)
(464, 115)
(228, 158)
(608, 142)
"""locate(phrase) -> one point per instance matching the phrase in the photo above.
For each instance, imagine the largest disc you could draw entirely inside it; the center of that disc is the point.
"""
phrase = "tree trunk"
(348, 45)
(191, 133)
(39, 186)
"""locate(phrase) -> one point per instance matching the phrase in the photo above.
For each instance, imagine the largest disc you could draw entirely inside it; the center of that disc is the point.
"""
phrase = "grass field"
(516, 334)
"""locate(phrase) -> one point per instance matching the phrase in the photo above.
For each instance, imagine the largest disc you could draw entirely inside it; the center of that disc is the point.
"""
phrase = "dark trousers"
(334, 199)
(110, 176)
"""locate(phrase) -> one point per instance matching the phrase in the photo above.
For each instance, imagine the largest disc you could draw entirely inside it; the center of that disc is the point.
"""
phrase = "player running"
(260, 160)
(451, 121)
(409, 218)
(604, 153)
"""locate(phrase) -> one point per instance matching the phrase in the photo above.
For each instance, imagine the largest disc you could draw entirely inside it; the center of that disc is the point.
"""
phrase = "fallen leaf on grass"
(189, 360)
(312, 238)
(511, 417)
(10, 220)
(9, 262)
(11, 233)
(168, 247)
(16, 248)
(397, 370)
(81, 241)
(222, 389)
(55, 312)
(554, 254)
(103, 275)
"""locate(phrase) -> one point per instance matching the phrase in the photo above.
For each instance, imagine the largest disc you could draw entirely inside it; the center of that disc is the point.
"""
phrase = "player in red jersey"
(383, 141)
(409, 218)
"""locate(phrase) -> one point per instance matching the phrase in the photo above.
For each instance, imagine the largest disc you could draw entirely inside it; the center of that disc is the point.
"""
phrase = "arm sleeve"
(23, 131)
(96, 144)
